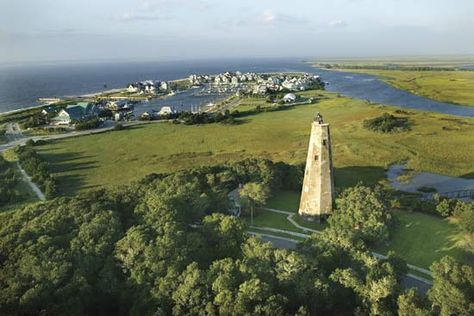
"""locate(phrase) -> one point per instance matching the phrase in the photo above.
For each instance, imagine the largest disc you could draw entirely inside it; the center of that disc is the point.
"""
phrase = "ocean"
(21, 86)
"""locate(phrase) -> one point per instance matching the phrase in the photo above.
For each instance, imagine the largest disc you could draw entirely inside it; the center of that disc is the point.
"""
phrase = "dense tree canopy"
(453, 288)
(165, 246)
(8, 182)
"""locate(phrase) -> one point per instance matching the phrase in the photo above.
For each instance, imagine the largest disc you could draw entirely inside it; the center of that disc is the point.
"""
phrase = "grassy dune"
(359, 155)
(446, 86)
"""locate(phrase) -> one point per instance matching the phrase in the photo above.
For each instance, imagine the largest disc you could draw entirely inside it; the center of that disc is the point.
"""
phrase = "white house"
(165, 110)
(164, 86)
(116, 105)
(75, 112)
(133, 87)
(289, 98)
(235, 81)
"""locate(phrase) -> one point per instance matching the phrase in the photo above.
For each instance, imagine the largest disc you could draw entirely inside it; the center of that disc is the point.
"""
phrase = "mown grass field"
(419, 238)
(446, 86)
(436, 143)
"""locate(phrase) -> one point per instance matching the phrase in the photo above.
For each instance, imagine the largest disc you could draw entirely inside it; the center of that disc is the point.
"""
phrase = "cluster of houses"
(248, 83)
(277, 83)
(72, 113)
(152, 115)
(148, 87)
(258, 83)
(226, 78)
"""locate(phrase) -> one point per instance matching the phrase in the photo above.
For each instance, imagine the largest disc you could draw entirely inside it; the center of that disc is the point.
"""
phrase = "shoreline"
(64, 98)
(95, 94)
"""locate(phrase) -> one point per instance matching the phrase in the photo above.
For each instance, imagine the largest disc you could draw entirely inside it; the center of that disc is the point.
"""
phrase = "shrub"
(387, 123)
(88, 124)
(465, 214)
(119, 127)
(34, 121)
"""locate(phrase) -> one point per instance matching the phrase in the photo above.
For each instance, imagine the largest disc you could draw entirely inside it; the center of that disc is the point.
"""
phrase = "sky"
(88, 30)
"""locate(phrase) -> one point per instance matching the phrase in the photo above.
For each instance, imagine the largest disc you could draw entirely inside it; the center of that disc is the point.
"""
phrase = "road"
(19, 139)
(410, 280)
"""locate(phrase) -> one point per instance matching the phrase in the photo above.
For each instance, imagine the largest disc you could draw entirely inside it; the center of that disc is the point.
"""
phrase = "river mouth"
(401, 178)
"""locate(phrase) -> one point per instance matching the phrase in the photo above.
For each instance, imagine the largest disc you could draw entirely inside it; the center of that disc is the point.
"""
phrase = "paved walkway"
(410, 281)
(32, 185)
(305, 229)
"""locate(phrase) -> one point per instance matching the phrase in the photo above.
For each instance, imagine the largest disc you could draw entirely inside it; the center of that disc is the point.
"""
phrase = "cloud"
(337, 23)
(136, 17)
(154, 10)
(270, 17)
(155, 5)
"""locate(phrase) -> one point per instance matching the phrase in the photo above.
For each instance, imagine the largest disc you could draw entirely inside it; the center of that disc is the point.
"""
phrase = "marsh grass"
(455, 87)
(118, 157)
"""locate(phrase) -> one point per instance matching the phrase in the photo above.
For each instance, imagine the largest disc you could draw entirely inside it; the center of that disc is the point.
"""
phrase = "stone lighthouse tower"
(318, 186)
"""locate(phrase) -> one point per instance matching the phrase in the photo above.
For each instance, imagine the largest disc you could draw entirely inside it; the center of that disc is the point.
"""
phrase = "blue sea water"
(21, 86)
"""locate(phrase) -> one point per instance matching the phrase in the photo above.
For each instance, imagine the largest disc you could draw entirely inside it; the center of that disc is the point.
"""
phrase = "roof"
(234, 196)
(75, 112)
(84, 105)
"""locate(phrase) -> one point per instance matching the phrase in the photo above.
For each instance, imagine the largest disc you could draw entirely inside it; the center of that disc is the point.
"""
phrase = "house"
(234, 201)
(289, 98)
(146, 116)
(117, 105)
(75, 112)
(133, 88)
(164, 86)
(166, 110)
(118, 116)
(235, 81)
(49, 111)
(260, 89)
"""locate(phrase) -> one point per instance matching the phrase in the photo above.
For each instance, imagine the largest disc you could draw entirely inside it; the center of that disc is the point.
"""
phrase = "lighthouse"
(317, 196)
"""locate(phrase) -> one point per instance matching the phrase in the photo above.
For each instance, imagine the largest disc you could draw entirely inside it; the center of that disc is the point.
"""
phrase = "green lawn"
(284, 201)
(289, 201)
(421, 239)
(264, 218)
(119, 157)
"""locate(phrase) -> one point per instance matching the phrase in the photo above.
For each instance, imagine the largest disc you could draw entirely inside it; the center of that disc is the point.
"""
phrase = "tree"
(254, 194)
(452, 292)
(192, 296)
(445, 207)
(373, 281)
(411, 303)
(224, 234)
(465, 214)
(361, 216)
